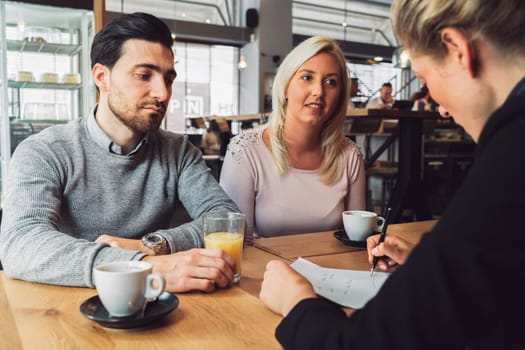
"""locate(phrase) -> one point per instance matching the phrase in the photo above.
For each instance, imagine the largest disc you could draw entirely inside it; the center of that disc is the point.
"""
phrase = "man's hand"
(195, 269)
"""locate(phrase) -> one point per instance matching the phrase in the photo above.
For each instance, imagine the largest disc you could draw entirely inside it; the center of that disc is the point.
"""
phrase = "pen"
(381, 239)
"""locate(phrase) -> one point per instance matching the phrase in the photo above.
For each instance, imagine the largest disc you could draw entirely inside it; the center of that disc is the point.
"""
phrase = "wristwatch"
(157, 243)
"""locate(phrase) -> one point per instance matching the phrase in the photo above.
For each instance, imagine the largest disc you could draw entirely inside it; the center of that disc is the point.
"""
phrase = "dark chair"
(364, 126)
(195, 139)
(214, 162)
(225, 140)
(386, 172)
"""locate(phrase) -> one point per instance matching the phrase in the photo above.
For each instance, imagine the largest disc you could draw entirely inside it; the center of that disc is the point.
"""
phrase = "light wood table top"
(411, 231)
(354, 261)
(291, 247)
(253, 267)
(36, 316)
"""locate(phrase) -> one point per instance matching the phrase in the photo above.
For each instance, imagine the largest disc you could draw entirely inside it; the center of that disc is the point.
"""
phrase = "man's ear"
(461, 49)
(100, 75)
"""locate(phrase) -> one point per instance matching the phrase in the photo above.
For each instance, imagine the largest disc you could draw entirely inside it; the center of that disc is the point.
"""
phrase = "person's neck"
(499, 75)
(302, 137)
(304, 146)
(117, 131)
(504, 81)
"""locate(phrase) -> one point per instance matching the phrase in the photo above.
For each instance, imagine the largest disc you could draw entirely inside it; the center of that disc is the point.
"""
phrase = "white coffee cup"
(359, 224)
(124, 286)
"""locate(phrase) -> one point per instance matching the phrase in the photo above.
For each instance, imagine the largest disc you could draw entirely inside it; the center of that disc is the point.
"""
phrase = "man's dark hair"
(107, 44)
(387, 84)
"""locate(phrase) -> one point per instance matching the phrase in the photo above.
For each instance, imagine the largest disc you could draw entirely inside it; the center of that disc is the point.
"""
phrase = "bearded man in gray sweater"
(104, 188)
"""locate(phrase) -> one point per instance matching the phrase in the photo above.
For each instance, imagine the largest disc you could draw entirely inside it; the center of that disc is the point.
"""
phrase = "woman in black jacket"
(460, 287)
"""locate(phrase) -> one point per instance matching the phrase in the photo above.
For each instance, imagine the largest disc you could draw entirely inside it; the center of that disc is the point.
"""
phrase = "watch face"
(154, 238)
(157, 243)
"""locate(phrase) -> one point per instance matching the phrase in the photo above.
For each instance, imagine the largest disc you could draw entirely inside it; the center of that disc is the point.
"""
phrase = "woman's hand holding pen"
(391, 252)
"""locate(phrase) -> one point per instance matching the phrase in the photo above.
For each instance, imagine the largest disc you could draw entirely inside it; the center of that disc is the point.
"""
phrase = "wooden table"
(36, 316)
(39, 316)
(291, 247)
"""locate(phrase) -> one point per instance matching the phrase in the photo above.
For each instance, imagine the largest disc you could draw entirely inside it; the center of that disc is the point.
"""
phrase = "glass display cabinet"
(45, 74)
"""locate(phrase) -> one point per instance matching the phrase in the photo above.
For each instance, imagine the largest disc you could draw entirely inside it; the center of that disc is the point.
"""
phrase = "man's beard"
(142, 124)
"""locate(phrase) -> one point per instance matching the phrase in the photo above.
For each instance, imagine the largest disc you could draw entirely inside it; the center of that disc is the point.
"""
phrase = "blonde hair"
(333, 163)
(418, 24)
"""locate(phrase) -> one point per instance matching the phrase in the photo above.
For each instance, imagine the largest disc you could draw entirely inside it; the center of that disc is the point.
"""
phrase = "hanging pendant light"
(242, 59)
(242, 63)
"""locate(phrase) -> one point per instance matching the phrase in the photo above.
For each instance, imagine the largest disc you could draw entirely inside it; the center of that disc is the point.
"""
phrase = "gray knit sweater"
(64, 190)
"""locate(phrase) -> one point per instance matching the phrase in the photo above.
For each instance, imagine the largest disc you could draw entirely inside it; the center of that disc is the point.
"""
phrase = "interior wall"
(272, 37)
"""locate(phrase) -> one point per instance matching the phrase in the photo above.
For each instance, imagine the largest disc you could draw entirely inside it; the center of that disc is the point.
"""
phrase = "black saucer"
(93, 309)
(341, 236)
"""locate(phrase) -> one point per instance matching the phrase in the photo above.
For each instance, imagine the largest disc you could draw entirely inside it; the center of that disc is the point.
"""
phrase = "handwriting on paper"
(349, 288)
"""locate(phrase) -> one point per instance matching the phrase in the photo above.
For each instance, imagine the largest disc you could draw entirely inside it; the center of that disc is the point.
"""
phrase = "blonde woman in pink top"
(298, 173)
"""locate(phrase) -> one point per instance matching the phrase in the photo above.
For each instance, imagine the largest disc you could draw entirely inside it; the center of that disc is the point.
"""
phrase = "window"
(371, 77)
(207, 84)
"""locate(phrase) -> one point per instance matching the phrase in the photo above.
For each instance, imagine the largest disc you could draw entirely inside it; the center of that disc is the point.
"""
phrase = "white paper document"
(349, 288)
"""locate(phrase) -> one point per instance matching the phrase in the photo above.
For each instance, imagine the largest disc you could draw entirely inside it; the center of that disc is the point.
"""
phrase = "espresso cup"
(359, 224)
(125, 286)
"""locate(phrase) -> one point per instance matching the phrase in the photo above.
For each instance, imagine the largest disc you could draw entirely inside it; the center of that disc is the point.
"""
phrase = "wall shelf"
(36, 85)
(43, 47)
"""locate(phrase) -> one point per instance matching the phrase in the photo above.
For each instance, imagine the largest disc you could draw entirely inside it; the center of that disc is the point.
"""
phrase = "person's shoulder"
(243, 143)
(247, 139)
(351, 148)
(61, 133)
(54, 142)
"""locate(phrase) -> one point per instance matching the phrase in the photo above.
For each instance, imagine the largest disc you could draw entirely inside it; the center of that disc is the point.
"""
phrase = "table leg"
(409, 192)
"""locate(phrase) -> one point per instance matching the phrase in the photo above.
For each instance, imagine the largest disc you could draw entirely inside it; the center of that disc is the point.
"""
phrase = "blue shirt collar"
(103, 140)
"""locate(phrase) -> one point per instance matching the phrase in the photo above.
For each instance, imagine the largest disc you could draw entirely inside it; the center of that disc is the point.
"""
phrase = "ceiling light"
(378, 59)
(21, 25)
(242, 63)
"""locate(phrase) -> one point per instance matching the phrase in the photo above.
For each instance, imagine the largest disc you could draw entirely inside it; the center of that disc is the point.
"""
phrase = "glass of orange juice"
(225, 230)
